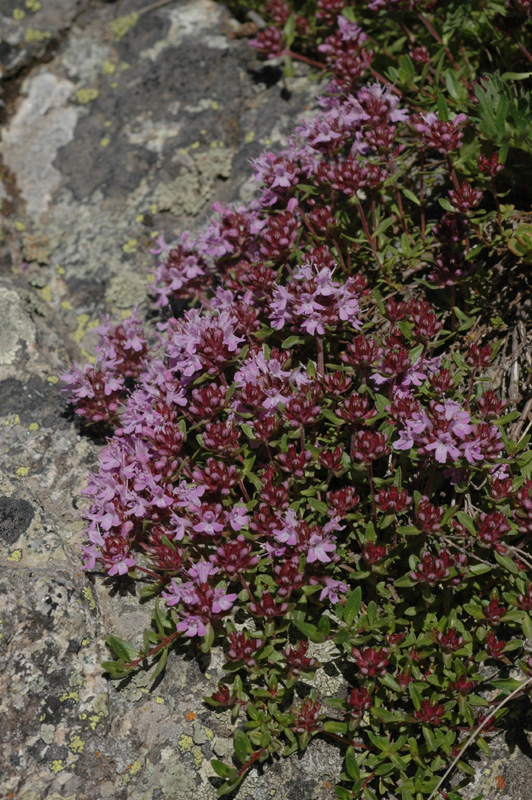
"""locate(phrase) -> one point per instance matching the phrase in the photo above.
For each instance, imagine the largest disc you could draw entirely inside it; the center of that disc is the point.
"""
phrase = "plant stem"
(321, 356)
(421, 191)
(476, 733)
(435, 35)
(496, 198)
(304, 59)
(165, 642)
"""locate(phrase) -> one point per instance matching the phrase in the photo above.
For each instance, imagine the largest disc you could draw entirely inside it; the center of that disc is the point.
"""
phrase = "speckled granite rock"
(119, 122)
(132, 124)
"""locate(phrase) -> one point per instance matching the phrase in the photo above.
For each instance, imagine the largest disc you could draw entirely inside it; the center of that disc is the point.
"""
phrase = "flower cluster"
(304, 450)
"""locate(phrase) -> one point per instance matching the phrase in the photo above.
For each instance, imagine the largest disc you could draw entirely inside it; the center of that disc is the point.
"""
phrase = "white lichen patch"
(44, 122)
(194, 186)
(16, 329)
(84, 58)
(185, 21)
(149, 133)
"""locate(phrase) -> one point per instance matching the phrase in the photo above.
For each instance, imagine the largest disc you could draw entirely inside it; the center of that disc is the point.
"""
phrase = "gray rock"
(119, 123)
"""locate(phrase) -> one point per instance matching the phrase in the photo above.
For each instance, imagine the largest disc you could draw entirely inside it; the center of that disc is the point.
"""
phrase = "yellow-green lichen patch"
(185, 743)
(15, 556)
(105, 142)
(19, 226)
(22, 472)
(84, 324)
(52, 379)
(130, 246)
(33, 426)
(159, 699)
(94, 721)
(19, 13)
(34, 35)
(89, 597)
(57, 766)
(71, 695)
(249, 137)
(197, 755)
(109, 68)
(46, 294)
(76, 744)
(33, 5)
(121, 25)
(66, 305)
(84, 96)
(132, 770)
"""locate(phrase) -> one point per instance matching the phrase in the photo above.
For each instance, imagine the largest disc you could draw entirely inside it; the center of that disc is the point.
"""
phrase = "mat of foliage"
(312, 445)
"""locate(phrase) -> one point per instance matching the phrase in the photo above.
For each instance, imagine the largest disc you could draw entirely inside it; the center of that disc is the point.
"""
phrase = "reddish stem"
(304, 59)
(153, 651)
(499, 215)
(257, 754)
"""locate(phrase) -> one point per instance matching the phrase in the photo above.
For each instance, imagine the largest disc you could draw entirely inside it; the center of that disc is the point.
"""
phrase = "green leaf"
(318, 505)
(310, 631)
(526, 624)
(351, 764)
(516, 76)
(242, 746)
(443, 109)
(208, 639)
(332, 417)
(161, 663)
(291, 341)
(227, 788)
(335, 727)
(507, 563)
(506, 685)
(412, 197)
(446, 205)
(415, 696)
(467, 522)
(121, 648)
(248, 430)
(289, 31)
(222, 770)
(324, 626)
(352, 606)
(387, 716)
(389, 681)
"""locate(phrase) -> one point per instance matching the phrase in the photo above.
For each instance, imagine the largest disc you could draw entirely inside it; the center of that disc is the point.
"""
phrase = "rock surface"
(120, 119)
